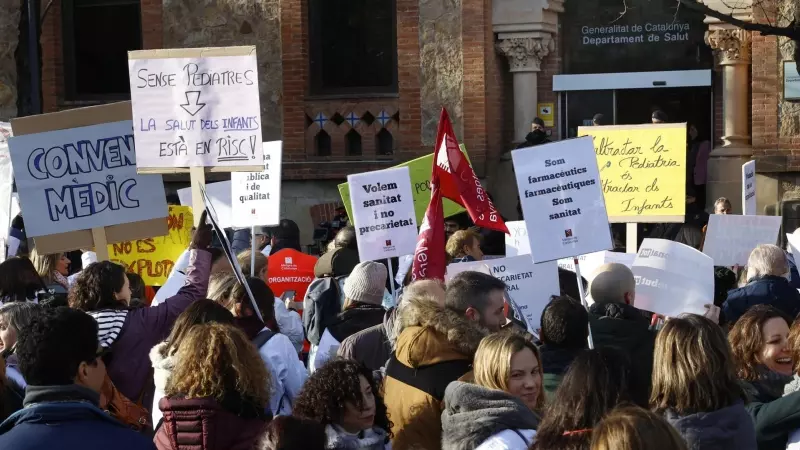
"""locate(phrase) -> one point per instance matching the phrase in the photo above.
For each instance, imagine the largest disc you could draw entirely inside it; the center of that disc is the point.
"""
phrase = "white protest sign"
(219, 194)
(256, 196)
(562, 200)
(6, 183)
(749, 188)
(672, 278)
(83, 178)
(383, 213)
(529, 285)
(517, 242)
(793, 242)
(201, 111)
(731, 238)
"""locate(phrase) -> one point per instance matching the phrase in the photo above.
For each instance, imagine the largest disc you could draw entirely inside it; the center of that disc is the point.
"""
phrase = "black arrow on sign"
(193, 105)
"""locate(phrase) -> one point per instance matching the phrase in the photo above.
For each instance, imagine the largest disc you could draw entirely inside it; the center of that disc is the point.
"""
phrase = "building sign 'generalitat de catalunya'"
(651, 35)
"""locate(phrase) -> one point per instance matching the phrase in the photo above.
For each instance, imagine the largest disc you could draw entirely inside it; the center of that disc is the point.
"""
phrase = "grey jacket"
(728, 428)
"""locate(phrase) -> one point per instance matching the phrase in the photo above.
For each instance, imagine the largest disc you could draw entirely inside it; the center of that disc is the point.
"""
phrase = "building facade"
(358, 85)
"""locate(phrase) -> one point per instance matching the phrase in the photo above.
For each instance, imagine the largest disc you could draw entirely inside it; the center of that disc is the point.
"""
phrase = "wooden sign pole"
(197, 176)
(631, 238)
(100, 243)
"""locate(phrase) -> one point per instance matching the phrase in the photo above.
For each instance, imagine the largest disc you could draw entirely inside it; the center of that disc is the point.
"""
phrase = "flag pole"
(583, 299)
(253, 251)
(391, 278)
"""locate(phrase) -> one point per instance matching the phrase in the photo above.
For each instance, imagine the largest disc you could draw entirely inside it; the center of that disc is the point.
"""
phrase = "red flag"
(458, 181)
(429, 256)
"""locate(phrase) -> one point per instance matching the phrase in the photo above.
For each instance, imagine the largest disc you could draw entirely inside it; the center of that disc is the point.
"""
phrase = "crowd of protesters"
(330, 353)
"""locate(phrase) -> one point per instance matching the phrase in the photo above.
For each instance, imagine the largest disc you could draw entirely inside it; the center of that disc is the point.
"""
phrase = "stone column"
(524, 52)
(732, 50)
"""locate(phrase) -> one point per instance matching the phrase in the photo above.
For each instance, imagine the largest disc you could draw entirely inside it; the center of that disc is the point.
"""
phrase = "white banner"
(190, 112)
(562, 199)
(6, 183)
(383, 213)
(256, 196)
(517, 242)
(672, 278)
(731, 238)
(529, 285)
(83, 178)
(749, 188)
(219, 194)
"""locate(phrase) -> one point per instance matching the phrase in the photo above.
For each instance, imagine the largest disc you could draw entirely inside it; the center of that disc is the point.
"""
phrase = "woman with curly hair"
(343, 396)
(498, 410)
(103, 291)
(218, 393)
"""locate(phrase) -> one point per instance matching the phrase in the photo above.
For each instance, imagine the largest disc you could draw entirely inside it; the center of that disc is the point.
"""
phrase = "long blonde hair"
(220, 287)
(215, 358)
(492, 366)
(45, 264)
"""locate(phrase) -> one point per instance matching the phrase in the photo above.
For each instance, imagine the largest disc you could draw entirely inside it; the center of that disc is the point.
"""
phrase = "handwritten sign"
(731, 238)
(529, 285)
(83, 178)
(256, 196)
(154, 258)
(196, 107)
(517, 242)
(672, 278)
(420, 171)
(383, 213)
(643, 171)
(749, 189)
(559, 189)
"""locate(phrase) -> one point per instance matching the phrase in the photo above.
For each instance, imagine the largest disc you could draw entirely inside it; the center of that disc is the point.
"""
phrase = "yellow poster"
(642, 170)
(546, 114)
(154, 258)
(420, 171)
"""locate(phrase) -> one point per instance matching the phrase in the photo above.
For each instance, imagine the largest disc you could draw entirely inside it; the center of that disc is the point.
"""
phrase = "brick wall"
(551, 65)
(473, 35)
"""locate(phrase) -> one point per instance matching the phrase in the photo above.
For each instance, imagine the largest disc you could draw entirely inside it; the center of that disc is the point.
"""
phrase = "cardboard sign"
(196, 107)
(420, 171)
(529, 285)
(749, 189)
(643, 170)
(730, 239)
(75, 170)
(219, 195)
(383, 213)
(256, 196)
(559, 189)
(154, 258)
(672, 278)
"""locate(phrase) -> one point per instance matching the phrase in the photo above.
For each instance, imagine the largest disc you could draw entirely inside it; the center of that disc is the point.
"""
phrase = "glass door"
(581, 107)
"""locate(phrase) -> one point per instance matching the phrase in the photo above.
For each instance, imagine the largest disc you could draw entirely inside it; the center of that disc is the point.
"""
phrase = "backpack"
(322, 301)
(132, 414)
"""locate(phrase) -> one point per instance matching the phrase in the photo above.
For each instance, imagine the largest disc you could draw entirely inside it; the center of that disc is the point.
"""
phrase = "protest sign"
(383, 213)
(643, 170)
(256, 196)
(730, 238)
(154, 258)
(517, 242)
(529, 285)
(420, 171)
(749, 188)
(672, 278)
(6, 183)
(219, 195)
(196, 108)
(559, 189)
(793, 244)
(75, 172)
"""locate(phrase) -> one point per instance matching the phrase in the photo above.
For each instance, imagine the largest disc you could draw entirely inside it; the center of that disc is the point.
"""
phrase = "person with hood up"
(363, 291)
(103, 291)
(435, 348)
(60, 359)
(616, 322)
(344, 398)
(767, 283)
(537, 136)
(498, 411)
(763, 361)
(162, 356)
(218, 395)
(696, 389)
(565, 328)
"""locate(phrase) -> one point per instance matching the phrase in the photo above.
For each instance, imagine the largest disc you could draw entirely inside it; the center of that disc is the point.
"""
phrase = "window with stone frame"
(97, 35)
(353, 47)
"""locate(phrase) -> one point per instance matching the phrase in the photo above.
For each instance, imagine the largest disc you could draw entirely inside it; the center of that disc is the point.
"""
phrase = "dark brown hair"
(747, 339)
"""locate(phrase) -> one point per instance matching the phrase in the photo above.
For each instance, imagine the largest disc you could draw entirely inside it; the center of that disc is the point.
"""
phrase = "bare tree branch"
(788, 31)
(624, 11)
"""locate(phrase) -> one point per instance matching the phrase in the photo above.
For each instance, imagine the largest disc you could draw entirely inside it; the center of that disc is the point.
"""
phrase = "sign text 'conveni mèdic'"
(83, 178)
(196, 112)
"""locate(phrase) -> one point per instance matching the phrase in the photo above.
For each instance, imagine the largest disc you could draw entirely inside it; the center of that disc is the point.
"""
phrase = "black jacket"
(767, 290)
(355, 319)
(728, 428)
(774, 417)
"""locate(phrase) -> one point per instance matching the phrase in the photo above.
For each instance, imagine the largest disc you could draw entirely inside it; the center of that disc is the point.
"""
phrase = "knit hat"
(366, 283)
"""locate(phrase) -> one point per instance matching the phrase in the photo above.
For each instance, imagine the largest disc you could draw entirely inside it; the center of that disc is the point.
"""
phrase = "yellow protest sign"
(154, 258)
(642, 170)
(420, 171)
